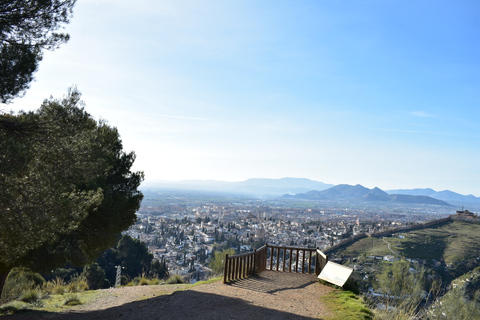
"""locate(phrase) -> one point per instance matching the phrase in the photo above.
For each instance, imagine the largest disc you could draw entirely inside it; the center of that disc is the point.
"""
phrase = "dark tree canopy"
(132, 254)
(66, 189)
(27, 27)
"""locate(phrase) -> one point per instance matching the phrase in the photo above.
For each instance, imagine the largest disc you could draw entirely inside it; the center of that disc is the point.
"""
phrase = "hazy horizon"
(160, 181)
(382, 94)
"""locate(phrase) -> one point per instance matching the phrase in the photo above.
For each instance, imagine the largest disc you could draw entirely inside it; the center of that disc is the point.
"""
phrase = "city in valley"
(185, 228)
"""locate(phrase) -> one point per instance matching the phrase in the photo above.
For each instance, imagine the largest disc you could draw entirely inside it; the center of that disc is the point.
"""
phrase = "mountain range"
(451, 197)
(306, 188)
(360, 193)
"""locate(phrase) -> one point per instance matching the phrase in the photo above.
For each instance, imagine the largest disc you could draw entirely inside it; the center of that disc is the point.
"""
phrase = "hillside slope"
(451, 247)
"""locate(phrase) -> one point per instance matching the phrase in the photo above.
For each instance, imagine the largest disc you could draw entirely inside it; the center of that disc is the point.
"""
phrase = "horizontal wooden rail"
(275, 258)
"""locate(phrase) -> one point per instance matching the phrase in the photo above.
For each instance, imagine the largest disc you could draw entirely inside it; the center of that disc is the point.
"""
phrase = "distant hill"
(469, 201)
(302, 188)
(254, 187)
(360, 193)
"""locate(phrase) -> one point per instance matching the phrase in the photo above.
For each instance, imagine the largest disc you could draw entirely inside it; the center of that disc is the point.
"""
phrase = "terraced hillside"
(450, 247)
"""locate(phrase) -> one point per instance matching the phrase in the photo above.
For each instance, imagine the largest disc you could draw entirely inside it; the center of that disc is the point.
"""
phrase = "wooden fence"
(275, 258)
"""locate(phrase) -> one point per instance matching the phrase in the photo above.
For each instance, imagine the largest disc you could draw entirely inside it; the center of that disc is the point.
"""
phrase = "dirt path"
(388, 247)
(274, 295)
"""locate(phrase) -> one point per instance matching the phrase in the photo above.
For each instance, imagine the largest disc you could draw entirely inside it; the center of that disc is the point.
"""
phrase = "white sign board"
(335, 273)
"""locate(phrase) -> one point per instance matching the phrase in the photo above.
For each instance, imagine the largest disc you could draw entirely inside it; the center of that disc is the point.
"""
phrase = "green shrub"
(78, 284)
(175, 279)
(55, 286)
(72, 300)
(456, 305)
(136, 281)
(21, 280)
(217, 263)
(30, 296)
(404, 291)
(143, 281)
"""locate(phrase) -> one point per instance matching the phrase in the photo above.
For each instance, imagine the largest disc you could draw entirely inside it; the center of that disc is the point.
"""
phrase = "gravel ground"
(272, 295)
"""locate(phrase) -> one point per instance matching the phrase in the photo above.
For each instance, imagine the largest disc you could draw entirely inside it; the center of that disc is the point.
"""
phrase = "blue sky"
(380, 93)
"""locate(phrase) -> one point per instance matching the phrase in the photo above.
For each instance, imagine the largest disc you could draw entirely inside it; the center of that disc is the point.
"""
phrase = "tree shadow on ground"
(180, 305)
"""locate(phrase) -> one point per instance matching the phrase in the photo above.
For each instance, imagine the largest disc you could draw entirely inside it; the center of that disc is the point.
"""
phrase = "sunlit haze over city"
(378, 93)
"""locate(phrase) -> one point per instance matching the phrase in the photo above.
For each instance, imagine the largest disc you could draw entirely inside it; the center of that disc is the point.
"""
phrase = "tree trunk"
(3, 278)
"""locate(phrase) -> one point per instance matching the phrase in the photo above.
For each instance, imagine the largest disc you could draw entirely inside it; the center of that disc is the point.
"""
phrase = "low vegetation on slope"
(346, 305)
(437, 259)
(454, 243)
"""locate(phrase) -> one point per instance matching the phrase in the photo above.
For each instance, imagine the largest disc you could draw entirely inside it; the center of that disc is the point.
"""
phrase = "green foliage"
(456, 306)
(143, 281)
(176, 278)
(20, 282)
(77, 284)
(217, 262)
(27, 28)
(159, 269)
(55, 286)
(30, 296)
(71, 192)
(94, 276)
(72, 300)
(346, 305)
(404, 290)
(133, 256)
(462, 302)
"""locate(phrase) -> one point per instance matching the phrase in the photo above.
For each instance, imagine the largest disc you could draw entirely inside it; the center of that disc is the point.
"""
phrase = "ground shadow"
(271, 282)
(180, 305)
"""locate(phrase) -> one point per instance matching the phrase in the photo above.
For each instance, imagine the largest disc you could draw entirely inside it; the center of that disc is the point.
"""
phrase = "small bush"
(30, 296)
(72, 300)
(78, 284)
(142, 281)
(136, 281)
(175, 279)
(21, 280)
(55, 286)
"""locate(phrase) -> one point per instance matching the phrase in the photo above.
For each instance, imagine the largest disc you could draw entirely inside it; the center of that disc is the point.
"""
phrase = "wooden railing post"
(254, 261)
(310, 262)
(225, 271)
(271, 258)
(297, 256)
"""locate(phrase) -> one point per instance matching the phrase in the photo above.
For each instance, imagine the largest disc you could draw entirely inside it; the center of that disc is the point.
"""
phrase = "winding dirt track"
(272, 295)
